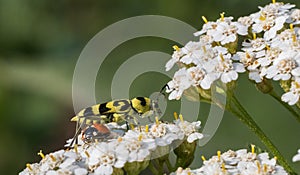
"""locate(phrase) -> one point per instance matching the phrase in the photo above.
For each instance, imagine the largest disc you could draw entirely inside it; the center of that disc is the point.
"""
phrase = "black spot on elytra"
(142, 100)
(88, 112)
(103, 109)
(123, 103)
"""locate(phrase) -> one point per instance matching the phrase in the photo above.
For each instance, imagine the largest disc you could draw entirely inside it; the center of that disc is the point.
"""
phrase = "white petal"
(194, 136)
(80, 171)
(296, 71)
(239, 67)
(170, 64)
(229, 76)
(52, 172)
(119, 163)
(297, 156)
(255, 76)
(290, 98)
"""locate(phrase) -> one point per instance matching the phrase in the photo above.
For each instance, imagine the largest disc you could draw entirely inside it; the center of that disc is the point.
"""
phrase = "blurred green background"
(40, 42)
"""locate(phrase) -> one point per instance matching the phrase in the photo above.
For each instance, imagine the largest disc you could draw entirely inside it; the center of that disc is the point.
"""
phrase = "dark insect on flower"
(118, 111)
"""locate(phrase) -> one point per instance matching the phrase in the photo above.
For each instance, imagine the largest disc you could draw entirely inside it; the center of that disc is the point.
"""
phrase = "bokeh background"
(40, 42)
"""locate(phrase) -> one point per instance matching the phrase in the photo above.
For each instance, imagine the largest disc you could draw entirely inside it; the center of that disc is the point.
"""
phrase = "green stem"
(160, 166)
(243, 115)
(170, 168)
(287, 106)
(152, 168)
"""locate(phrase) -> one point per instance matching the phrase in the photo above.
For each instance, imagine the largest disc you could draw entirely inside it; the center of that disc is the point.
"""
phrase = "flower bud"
(185, 154)
(133, 168)
(265, 86)
(285, 85)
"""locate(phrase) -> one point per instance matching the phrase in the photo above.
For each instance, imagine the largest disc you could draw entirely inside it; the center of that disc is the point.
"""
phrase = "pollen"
(181, 118)
(262, 17)
(204, 49)
(252, 148)
(176, 48)
(294, 38)
(140, 137)
(223, 167)
(204, 19)
(156, 120)
(131, 126)
(219, 155)
(29, 166)
(147, 129)
(189, 173)
(254, 36)
(222, 16)
(175, 115)
(222, 57)
(41, 154)
(292, 27)
(273, 1)
(297, 85)
(258, 167)
(267, 46)
(52, 158)
(203, 158)
(76, 148)
(120, 139)
(265, 167)
(87, 154)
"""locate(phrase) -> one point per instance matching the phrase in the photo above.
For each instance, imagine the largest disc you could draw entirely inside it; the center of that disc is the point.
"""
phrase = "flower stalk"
(288, 107)
(239, 111)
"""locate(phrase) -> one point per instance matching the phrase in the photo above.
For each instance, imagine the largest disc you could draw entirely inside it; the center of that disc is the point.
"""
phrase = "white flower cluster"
(238, 162)
(111, 155)
(297, 156)
(271, 51)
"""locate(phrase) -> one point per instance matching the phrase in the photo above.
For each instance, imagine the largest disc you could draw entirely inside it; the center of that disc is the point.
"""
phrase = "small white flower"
(256, 75)
(197, 74)
(295, 16)
(270, 19)
(284, 66)
(208, 26)
(193, 52)
(105, 156)
(162, 135)
(297, 156)
(239, 163)
(181, 171)
(255, 45)
(179, 83)
(246, 21)
(284, 40)
(190, 129)
(292, 97)
(226, 69)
